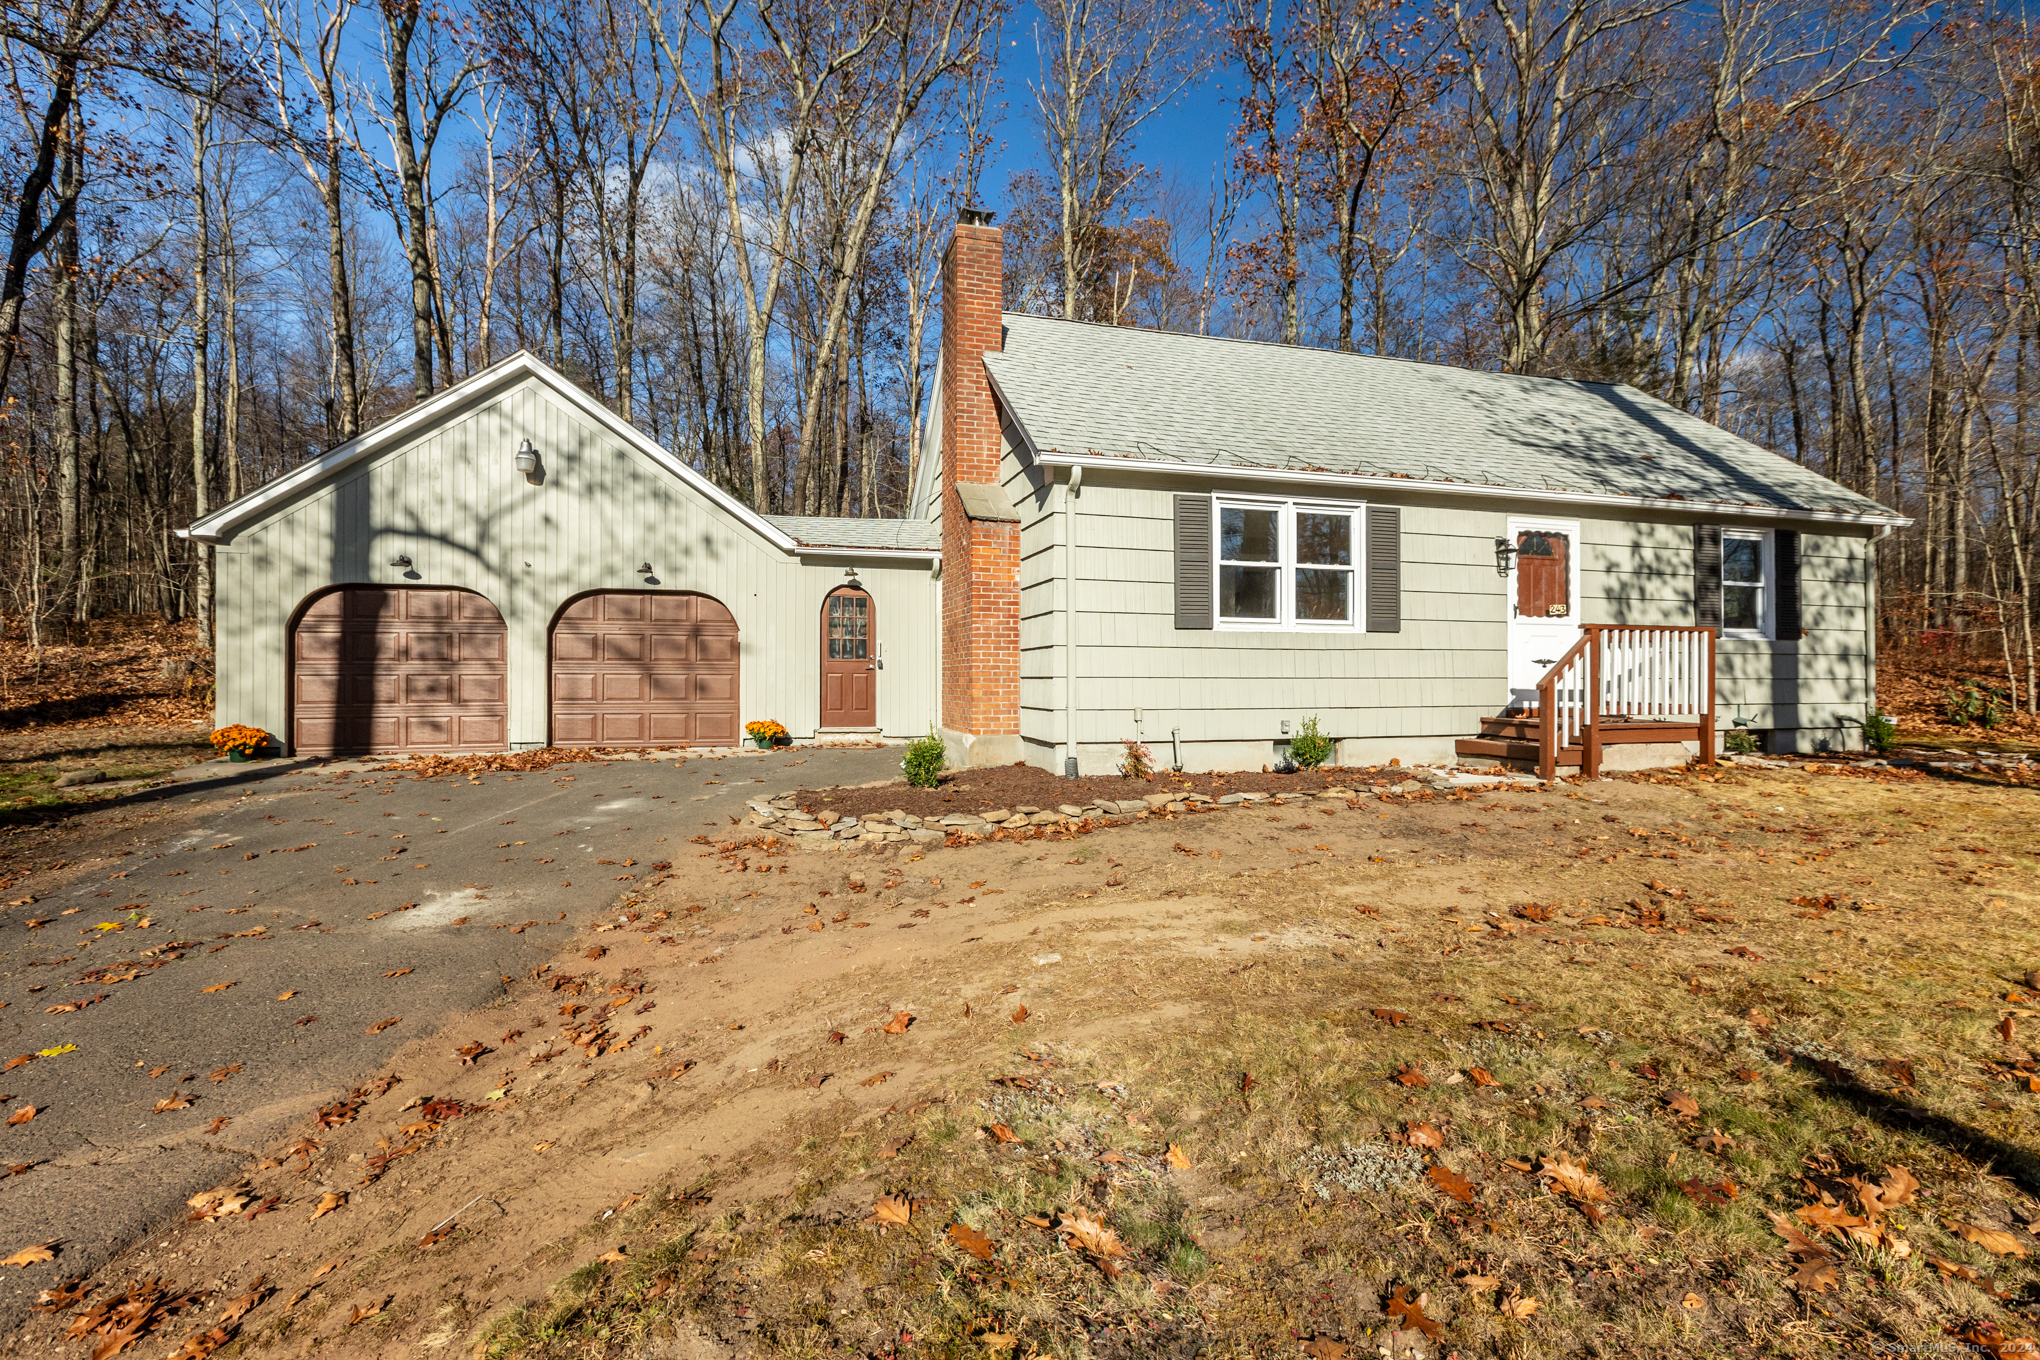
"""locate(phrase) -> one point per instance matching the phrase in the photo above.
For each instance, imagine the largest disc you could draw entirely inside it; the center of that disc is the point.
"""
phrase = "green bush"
(1740, 742)
(924, 761)
(1310, 747)
(1139, 762)
(1968, 704)
(1879, 732)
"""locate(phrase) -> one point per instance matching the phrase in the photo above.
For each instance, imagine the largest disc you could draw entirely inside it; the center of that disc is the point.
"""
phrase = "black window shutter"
(1786, 549)
(1193, 561)
(1707, 575)
(1384, 569)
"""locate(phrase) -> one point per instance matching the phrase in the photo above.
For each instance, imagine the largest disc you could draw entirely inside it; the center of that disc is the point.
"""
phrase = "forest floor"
(103, 700)
(1704, 1063)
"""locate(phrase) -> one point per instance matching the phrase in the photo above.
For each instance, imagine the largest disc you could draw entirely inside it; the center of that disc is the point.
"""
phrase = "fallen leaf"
(1693, 1301)
(1993, 1240)
(220, 1074)
(379, 1026)
(396, 972)
(328, 1202)
(1423, 1135)
(1482, 1077)
(180, 1101)
(876, 1079)
(28, 1256)
(217, 987)
(364, 1311)
(1003, 1134)
(1573, 1180)
(1410, 1075)
(285, 996)
(969, 1239)
(1393, 1019)
(1020, 1014)
(238, 1308)
(1519, 1308)
(22, 1115)
(1451, 1183)
(1327, 1348)
(1410, 1312)
(615, 1254)
(898, 1024)
(891, 1209)
(1680, 1103)
(1177, 1158)
(1091, 1236)
(330, 1267)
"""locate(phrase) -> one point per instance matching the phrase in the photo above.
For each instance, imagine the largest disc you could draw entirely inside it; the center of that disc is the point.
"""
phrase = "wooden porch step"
(1519, 727)
(1493, 748)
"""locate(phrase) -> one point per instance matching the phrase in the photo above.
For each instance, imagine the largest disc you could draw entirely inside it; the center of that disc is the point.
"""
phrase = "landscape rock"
(71, 779)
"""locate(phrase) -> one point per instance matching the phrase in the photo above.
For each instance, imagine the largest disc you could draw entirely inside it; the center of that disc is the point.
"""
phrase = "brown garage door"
(377, 668)
(645, 669)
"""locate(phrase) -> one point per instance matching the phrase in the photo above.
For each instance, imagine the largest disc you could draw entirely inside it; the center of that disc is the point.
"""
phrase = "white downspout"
(1071, 492)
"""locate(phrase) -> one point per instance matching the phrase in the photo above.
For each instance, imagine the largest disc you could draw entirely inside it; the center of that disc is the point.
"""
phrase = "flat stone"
(1129, 806)
(957, 819)
(1045, 818)
(896, 835)
(71, 779)
(802, 826)
(910, 822)
(1155, 800)
(813, 840)
(1071, 810)
(1232, 798)
(923, 836)
(1014, 822)
(1175, 807)
(998, 815)
(828, 818)
(757, 805)
(1026, 811)
(1202, 797)
(1043, 960)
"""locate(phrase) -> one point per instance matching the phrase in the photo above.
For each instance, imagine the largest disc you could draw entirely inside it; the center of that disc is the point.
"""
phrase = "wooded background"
(241, 232)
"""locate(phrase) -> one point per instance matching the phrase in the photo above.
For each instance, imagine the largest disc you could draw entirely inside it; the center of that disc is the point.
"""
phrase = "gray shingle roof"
(823, 531)
(1079, 388)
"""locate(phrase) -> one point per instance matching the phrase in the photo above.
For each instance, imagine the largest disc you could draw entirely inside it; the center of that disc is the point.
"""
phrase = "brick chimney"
(980, 530)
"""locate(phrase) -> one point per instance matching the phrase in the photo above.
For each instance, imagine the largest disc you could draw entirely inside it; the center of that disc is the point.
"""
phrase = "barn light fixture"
(850, 578)
(527, 458)
(644, 569)
(1504, 550)
(402, 561)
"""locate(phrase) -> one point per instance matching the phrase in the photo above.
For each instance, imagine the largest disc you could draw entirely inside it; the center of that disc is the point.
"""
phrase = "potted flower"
(765, 733)
(241, 742)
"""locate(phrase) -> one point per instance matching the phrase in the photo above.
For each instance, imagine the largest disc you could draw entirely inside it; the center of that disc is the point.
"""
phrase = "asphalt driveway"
(233, 964)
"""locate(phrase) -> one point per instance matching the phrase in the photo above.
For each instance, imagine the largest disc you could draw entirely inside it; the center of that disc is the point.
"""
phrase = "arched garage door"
(382, 668)
(642, 668)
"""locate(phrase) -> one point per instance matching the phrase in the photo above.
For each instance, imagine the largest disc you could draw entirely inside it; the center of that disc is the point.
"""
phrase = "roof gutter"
(897, 554)
(1055, 458)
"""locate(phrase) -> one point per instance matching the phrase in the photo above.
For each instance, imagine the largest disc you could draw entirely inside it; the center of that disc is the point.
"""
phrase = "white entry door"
(1544, 601)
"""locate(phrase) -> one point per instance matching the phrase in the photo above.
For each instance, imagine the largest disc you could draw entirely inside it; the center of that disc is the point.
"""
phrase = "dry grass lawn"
(1658, 1066)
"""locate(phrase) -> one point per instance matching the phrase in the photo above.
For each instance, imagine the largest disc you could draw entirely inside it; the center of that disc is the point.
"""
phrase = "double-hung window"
(1288, 564)
(1747, 582)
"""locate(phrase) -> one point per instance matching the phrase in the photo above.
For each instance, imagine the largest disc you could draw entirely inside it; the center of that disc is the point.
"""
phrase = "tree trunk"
(201, 341)
(69, 572)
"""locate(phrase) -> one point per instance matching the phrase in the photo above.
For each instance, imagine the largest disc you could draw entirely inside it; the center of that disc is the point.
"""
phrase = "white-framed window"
(1749, 579)
(1288, 564)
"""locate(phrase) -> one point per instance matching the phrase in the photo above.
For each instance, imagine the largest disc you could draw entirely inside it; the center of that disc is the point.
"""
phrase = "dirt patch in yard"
(1016, 786)
(1640, 1067)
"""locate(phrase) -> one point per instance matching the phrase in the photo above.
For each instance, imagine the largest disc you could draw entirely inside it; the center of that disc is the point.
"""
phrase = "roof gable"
(494, 381)
(1081, 389)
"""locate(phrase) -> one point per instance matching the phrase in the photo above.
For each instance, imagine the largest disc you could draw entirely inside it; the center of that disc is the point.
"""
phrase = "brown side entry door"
(645, 668)
(384, 668)
(849, 659)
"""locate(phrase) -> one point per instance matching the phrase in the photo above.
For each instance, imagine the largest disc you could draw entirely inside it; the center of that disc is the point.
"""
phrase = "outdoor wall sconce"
(1504, 550)
(402, 561)
(528, 464)
(850, 578)
(644, 569)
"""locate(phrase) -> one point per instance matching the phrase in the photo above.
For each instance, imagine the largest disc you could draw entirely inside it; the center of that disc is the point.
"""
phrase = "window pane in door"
(1323, 540)
(1742, 607)
(1323, 596)
(1248, 535)
(849, 622)
(1246, 592)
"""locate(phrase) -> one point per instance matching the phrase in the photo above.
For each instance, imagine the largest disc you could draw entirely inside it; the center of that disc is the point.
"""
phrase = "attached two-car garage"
(379, 668)
(508, 565)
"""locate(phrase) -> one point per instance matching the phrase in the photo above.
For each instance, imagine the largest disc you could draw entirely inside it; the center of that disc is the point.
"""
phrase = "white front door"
(1544, 601)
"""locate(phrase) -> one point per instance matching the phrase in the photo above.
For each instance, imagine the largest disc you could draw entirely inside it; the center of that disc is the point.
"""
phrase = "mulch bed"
(1017, 786)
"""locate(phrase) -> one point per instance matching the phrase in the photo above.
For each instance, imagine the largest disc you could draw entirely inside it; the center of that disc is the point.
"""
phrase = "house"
(1115, 535)
(509, 565)
(1198, 542)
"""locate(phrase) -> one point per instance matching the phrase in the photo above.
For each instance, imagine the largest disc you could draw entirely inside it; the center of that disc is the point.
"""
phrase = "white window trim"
(1285, 620)
(1767, 585)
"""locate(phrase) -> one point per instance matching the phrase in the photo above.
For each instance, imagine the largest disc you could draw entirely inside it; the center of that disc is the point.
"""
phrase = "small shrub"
(923, 763)
(1138, 762)
(1740, 742)
(1310, 747)
(1879, 732)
